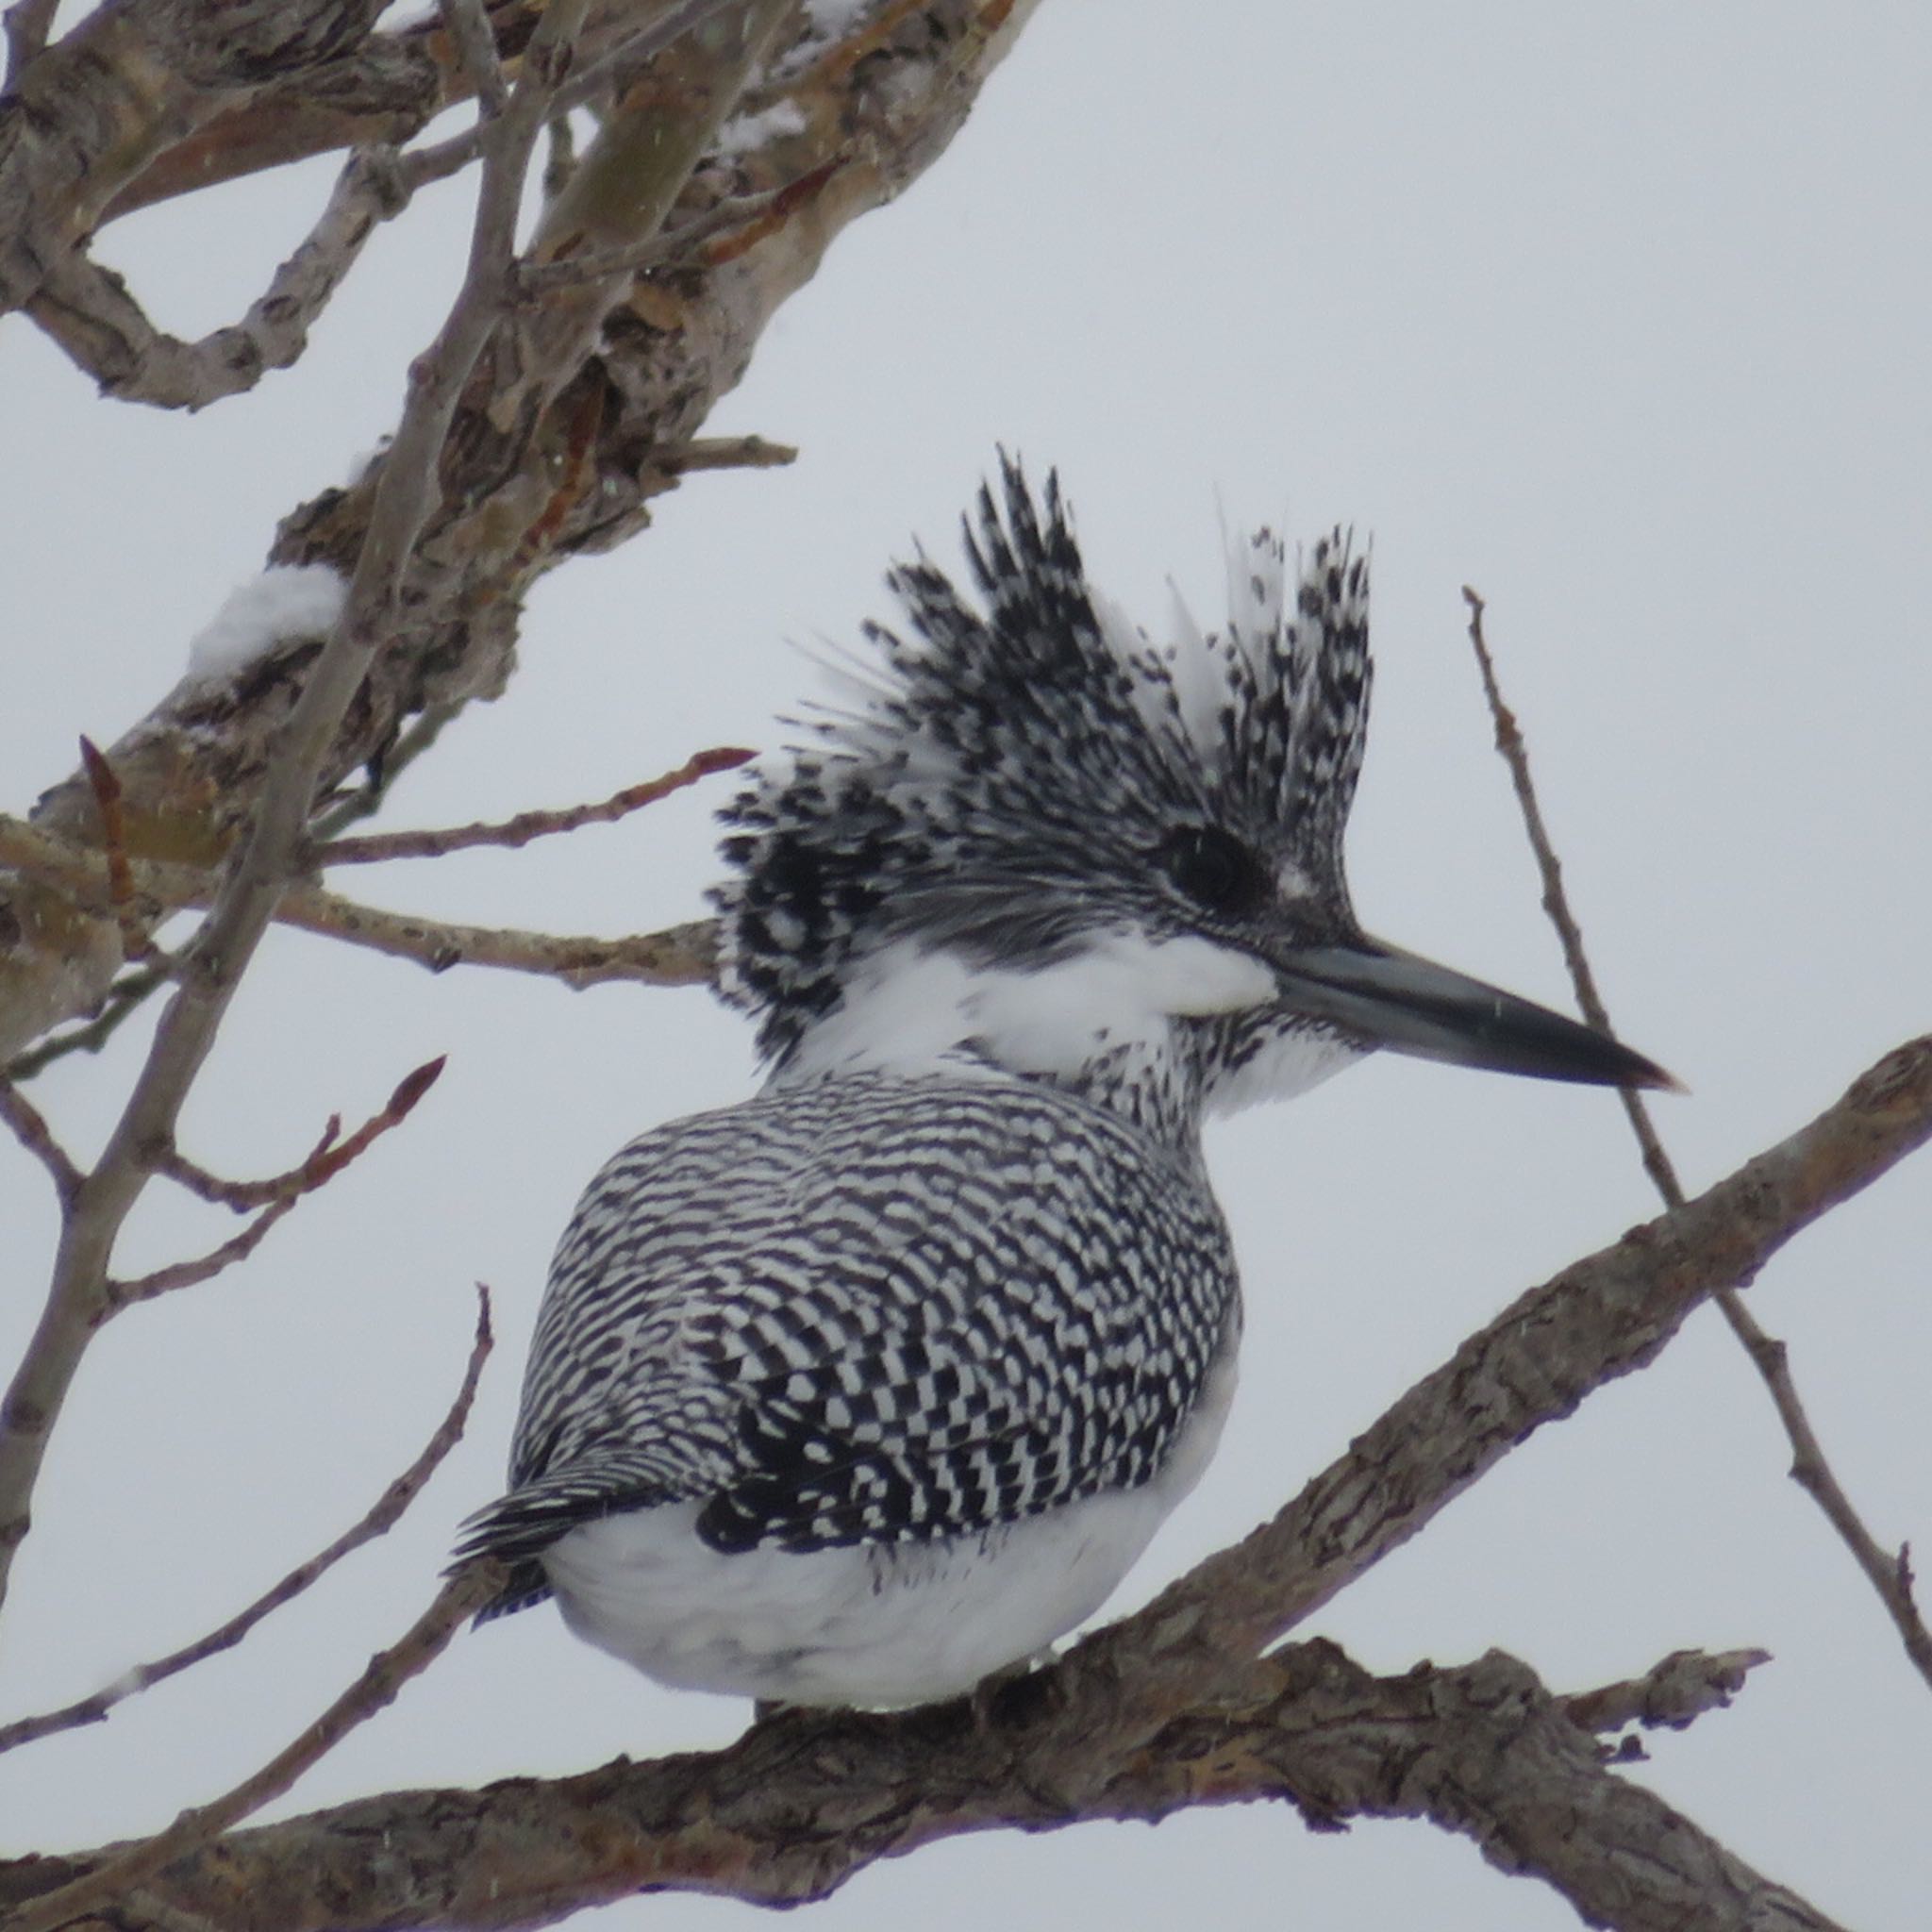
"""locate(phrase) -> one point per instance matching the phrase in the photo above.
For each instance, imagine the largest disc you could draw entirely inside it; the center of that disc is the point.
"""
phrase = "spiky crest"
(1010, 783)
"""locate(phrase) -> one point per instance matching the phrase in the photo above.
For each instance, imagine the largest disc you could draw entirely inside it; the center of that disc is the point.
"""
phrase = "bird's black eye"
(1216, 870)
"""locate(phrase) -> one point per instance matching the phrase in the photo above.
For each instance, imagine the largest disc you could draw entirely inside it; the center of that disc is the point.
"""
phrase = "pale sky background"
(1620, 314)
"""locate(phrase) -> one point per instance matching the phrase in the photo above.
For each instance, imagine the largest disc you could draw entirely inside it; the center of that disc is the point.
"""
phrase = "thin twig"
(136, 945)
(387, 1512)
(527, 825)
(329, 1159)
(678, 956)
(465, 1592)
(1889, 1572)
(723, 453)
(192, 1274)
(275, 1197)
(31, 1130)
(349, 807)
(1672, 1694)
(123, 998)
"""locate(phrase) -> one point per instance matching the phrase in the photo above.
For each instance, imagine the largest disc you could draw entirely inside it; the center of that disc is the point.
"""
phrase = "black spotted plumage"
(867, 1311)
(1007, 781)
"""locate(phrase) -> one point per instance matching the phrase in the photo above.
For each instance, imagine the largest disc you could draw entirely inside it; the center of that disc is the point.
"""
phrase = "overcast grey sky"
(1620, 314)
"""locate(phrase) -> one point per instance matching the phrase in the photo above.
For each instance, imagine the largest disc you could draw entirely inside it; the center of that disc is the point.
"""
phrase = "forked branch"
(381, 1517)
(1889, 1572)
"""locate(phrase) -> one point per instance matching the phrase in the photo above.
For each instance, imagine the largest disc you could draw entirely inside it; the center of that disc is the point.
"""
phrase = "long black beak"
(1387, 997)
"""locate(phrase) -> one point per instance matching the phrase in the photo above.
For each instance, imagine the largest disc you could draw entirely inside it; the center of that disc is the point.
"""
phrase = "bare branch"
(192, 1274)
(527, 825)
(90, 313)
(1672, 1694)
(679, 956)
(405, 493)
(329, 1159)
(377, 1687)
(121, 1002)
(31, 1130)
(805, 1801)
(476, 44)
(385, 1513)
(1889, 1572)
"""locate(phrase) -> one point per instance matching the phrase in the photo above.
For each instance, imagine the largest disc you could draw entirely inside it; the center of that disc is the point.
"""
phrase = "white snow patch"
(834, 18)
(297, 600)
(750, 132)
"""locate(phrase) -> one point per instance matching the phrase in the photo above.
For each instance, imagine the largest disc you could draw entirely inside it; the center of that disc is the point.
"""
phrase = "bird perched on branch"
(880, 1381)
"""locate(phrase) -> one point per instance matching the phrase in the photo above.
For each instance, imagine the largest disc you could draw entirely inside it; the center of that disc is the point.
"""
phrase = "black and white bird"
(880, 1381)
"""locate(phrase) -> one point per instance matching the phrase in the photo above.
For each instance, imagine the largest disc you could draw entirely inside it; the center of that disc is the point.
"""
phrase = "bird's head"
(1032, 833)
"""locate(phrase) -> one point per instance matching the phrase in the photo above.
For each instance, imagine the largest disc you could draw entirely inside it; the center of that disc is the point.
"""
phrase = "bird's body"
(881, 1381)
(941, 1355)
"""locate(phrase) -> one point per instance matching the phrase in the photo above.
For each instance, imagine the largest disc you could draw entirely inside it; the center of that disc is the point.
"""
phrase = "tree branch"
(678, 956)
(1166, 1707)
(527, 825)
(805, 1801)
(192, 769)
(1889, 1572)
(31, 1130)
(78, 1297)
(328, 1160)
(387, 1511)
(374, 1689)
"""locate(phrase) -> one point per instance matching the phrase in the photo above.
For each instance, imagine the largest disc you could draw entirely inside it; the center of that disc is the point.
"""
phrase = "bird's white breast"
(877, 1624)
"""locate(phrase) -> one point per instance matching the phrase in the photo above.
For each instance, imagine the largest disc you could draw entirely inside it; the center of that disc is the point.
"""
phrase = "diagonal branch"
(385, 1513)
(527, 825)
(374, 1691)
(1889, 1572)
(1168, 1707)
(31, 1130)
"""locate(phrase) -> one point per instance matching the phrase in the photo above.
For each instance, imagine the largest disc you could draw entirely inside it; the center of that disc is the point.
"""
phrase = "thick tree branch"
(645, 371)
(1889, 1572)
(805, 1801)
(1162, 1710)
